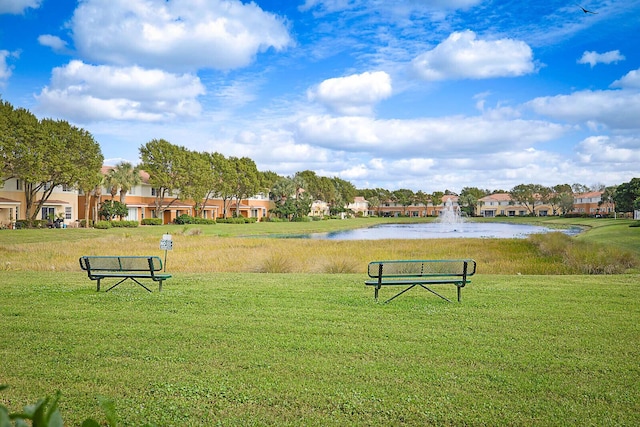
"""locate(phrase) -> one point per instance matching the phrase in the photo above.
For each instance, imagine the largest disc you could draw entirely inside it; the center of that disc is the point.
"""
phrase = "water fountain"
(450, 215)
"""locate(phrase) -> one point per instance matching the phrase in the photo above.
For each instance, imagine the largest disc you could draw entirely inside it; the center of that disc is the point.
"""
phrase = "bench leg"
(149, 290)
(435, 293)
(400, 293)
(459, 291)
(98, 286)
(160, 286)
(116, 284)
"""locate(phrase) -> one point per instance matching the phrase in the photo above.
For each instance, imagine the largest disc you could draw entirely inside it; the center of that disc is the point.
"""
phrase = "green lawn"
(222, 345)
(314, 349)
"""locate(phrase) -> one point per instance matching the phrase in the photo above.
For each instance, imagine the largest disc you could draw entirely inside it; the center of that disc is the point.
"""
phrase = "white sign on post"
(166, 243)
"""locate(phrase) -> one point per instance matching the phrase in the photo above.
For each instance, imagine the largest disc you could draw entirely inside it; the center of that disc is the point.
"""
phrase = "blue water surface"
(435, 230)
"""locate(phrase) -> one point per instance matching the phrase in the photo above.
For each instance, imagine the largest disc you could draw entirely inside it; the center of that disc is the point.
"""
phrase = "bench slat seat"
(124, 267)
(422, 273)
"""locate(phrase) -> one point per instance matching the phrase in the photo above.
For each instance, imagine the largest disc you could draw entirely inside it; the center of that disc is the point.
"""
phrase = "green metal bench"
(124, 267)
(423, 273)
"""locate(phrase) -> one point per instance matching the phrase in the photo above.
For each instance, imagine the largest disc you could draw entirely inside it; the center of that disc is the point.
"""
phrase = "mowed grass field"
(308, 345)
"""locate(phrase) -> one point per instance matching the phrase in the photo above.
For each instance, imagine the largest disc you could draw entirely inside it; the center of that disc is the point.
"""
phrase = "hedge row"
(103, 225)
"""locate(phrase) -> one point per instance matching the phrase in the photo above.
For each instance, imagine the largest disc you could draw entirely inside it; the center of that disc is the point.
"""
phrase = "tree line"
(47, 153)
(177, 173)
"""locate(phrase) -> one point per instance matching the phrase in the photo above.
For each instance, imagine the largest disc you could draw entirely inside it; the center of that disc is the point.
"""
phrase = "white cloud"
(54, 42)
(18, 6)
(630, 81)
(5, 70)
(616, 109)
(592, 58)
(463, 56)
(176, 35)
(85, 92)
(442, 137)
(355, 94)
(607, 150)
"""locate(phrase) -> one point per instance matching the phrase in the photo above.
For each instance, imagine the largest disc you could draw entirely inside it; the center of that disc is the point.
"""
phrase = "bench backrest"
(422, 268)
(121, 263)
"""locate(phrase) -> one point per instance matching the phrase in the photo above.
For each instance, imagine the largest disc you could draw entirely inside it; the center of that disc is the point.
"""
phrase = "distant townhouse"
(319, 208)
(141, 204)
(62, 205)
(591, 204)
(501, 204)
(391, 208)
(66, 204)
(359, 206)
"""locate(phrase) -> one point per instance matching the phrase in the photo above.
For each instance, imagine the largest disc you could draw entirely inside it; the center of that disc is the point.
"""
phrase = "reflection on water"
(487, 230)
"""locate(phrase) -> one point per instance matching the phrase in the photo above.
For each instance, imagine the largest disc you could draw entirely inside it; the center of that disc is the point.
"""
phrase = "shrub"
(302, 219)
(152, 221)
(183, 219)
(125, 224)
(45, 413)
(341, 265)
(22, 223)
(276, 263)
(274, 219)
(234, 220)
(188, 219)
(102, 225)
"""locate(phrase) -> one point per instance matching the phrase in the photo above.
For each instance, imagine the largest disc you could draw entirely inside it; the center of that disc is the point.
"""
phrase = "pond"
(437, 230)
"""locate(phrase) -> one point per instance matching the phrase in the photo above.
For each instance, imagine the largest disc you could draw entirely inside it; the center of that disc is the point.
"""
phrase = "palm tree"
(123, 177)
(111, 182)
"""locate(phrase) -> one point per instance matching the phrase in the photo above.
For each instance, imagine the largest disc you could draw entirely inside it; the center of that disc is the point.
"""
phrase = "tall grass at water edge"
(200, 251)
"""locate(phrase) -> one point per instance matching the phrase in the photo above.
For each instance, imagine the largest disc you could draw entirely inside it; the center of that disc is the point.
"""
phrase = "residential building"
(360, 207)
(319, 208)
(391, 208)
(590, 204)
(67, 204)
(501, 204)
(141, 203)
(61, 205)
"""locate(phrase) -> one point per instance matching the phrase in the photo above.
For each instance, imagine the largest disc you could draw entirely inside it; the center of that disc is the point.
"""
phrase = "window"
(18, 184)
(67, 212)
(48, 211)
(154, 192)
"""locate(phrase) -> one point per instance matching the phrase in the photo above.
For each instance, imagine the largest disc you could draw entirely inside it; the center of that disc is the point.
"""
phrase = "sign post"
(166, 243)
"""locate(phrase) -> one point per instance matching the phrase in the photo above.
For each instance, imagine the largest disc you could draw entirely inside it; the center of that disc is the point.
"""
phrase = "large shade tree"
(247, 180)
(162, 161)
(627, 196)
(44, 154)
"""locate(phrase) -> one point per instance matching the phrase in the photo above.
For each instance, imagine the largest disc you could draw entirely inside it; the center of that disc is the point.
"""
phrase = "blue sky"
(419, 94)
